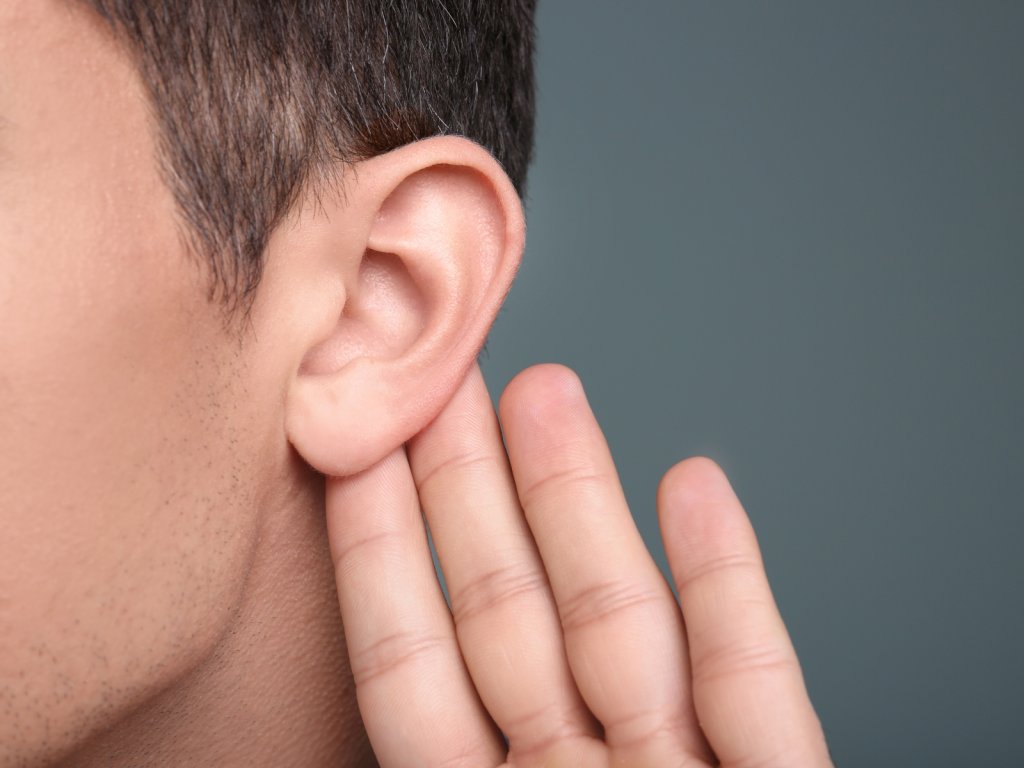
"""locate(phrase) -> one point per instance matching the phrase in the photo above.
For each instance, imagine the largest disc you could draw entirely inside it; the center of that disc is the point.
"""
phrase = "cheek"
(127, 443)
(126, 449)
(126, 446)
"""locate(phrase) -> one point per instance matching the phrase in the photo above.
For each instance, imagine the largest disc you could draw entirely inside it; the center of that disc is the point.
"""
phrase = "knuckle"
(393, 653)
(469, 756)
(536, 731)
(467, 461)
(497, 587)
(581, 482)
(779, 759)
(641, 728)
(349, 549)
(740, 565)
(743, 659)
(604, 602)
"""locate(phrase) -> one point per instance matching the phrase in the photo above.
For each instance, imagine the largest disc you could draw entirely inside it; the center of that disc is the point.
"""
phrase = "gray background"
(790, 236)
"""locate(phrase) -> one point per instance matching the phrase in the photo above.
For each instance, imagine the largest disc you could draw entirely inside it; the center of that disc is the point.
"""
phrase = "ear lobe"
(443, 233)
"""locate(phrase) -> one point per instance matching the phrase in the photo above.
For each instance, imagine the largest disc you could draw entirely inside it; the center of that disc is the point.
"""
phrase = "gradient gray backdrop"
(790, 236)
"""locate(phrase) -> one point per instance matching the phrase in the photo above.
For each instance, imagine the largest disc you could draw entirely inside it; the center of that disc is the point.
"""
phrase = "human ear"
(395, 282)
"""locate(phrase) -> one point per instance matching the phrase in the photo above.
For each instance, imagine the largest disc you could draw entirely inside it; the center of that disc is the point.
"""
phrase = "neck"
(277, 689)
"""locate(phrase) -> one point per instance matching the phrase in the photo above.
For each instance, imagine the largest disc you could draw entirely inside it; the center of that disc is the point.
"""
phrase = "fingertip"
(691, 481)
(540, 392)
(699, 513)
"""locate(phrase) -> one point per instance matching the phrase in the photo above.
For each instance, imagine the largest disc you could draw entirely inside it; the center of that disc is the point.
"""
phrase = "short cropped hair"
(255, 100)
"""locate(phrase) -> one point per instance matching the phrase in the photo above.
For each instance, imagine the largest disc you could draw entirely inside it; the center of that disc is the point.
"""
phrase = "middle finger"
(623, 629)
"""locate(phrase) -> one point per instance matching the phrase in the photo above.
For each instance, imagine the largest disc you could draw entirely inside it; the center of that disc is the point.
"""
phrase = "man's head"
(256, 99)
(228, 230)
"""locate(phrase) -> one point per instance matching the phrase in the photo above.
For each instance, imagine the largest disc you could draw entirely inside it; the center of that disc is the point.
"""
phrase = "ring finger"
(505, 615)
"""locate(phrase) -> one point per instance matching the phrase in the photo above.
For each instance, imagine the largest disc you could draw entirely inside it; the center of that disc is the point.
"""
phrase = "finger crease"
(348, 548)
(546, 726)
(495, 587)
(602, 601)
(576, 476)
(393, 653)
(717, 566)
(642, 727)
(458, 463)
(739, 660)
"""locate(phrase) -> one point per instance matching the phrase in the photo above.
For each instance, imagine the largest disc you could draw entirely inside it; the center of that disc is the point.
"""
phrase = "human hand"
(562, 635)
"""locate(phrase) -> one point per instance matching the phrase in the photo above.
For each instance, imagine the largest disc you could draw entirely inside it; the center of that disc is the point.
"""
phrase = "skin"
(173, 559)
(154, 518)
(562, 631)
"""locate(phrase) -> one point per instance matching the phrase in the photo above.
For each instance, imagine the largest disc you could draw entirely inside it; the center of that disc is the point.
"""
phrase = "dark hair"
(256, 99)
